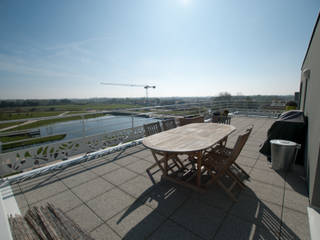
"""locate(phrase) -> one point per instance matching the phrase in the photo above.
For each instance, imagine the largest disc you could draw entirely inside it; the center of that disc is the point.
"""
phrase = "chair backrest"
(169, 124)
(241, 141)
(221, 119)
(185, 121)
(151, 128)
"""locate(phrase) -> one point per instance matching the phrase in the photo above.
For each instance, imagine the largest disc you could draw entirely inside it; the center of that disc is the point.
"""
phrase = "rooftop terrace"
(113, 197)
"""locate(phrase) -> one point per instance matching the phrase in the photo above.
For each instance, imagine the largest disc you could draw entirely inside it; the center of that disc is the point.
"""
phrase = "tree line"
(33, 103)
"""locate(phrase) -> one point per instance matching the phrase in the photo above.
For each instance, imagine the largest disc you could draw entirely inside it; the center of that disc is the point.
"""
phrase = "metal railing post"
(83, 126)
(132, 126)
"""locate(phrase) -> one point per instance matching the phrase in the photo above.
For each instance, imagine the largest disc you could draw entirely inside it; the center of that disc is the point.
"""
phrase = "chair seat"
(221, 150)
(219, 160)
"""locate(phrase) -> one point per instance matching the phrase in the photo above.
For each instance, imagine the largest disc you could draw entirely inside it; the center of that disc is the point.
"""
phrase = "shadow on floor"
(249, 218)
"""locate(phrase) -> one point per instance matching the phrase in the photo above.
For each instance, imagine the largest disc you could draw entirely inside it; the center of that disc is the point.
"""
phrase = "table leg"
(166, 159)
(199, 161)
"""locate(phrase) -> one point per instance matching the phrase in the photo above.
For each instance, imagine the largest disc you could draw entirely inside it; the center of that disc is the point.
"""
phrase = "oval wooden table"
(192, 139)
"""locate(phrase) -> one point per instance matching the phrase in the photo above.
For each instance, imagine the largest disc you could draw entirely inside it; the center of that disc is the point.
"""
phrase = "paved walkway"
(18, 125)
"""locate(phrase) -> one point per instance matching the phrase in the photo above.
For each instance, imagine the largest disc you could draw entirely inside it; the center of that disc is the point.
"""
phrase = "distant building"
(297, 97)
(277, 103)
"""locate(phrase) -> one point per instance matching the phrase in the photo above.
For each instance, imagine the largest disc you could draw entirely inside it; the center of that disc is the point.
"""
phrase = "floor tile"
(65, 201)
(250, 154)
(104, 168)
(119, 176)
(84, 217)
(129, 152)
(270, 177)
(296, 201)
(236, 228)
(264, 191)
(296, 182)
(139, 166)
(73, 179)
(38, 182)
(251, 147)
(154, 175)
(215, 197)
(136, 223)
(295, 225)
(91, 189)
(145, 155)
(124, 161)
(264, 214)
(170, 230)
(263, 158)
(263, 165)
(246, 161)
(104, 232)
(199, 218)
(137, 186)
(110, 203)
(165, 199)
(20, 199)
(44, 192)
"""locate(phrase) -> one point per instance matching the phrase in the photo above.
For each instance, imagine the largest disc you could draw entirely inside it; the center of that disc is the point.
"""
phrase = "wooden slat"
(189, 138)
(152, 128)
(46, 223)
(219, 163)
(185, 121)
(169, 124)
(20, 229)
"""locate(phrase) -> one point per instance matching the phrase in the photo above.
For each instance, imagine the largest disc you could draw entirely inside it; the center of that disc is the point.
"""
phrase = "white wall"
(312, 111)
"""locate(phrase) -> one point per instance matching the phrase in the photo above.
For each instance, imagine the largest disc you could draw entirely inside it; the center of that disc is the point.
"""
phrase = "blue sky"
(64, 49)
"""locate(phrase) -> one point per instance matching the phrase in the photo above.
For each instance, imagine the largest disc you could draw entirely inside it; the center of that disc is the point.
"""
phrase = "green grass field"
(51, 121)
(33, 141)
(14, 138)
(13, 116)
(54, 110)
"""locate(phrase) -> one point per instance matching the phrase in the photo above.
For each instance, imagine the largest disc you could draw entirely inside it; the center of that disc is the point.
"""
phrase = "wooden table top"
(189, 138)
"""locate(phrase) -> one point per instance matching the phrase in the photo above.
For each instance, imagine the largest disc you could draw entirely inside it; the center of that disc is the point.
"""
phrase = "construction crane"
(146, 87)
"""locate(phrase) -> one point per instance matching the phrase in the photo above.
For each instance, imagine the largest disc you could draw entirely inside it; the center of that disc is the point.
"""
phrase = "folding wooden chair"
(221, 119)
(185, 121)
(169, 124)
(227, 151)
(159, 157)
(151, 128)
(218, 162)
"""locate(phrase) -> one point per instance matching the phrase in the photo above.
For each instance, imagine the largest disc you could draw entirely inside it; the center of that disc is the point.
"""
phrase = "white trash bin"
(283, 153)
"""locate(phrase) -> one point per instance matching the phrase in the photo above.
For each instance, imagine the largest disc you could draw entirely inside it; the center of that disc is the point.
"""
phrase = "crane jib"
(130, 85)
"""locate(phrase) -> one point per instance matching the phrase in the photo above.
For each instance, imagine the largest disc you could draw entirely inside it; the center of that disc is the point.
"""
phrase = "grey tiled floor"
(113, 198)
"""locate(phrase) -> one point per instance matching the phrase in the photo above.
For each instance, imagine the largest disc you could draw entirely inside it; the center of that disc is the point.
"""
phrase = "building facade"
(309, 103)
